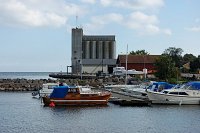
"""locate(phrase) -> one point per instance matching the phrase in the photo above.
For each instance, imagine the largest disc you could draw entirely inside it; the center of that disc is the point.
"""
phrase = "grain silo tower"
(92, 53)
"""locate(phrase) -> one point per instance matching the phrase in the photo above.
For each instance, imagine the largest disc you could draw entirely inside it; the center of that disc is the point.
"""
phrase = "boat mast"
(102, 65)
(126, 64)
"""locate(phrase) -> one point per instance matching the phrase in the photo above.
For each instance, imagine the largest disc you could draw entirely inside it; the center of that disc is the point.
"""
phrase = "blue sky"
(35, 35)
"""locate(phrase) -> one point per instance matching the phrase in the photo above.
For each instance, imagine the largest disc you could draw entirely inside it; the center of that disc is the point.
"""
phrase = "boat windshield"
(178, 86)
(188, 87)
(52, 86)
(151, 87)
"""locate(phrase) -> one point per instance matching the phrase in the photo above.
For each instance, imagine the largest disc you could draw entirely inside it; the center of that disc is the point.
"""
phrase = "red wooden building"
(138, 62)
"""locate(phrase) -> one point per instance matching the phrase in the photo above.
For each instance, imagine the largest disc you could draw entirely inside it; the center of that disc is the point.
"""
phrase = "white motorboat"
(85, 89)
(155, 86)
(121, 71)
(119, 87)
(46, 89)
(188, 93)
(140, 90)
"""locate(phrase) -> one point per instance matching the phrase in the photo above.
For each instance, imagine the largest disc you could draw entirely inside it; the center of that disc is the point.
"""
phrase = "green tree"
(139, 52)
(175, 54)
(188, 58)
(165, 68)
(195, 65)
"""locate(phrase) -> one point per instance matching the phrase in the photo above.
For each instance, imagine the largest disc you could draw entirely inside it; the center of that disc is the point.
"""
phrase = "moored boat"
(46, 89)
(155, 86)
(66, 95)
(188, 93)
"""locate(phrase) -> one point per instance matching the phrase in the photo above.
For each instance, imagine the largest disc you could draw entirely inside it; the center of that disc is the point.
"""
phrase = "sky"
(35, 35)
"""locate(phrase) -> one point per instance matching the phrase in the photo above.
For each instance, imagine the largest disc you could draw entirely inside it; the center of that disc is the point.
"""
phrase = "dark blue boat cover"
(156, 85)
(195, 84)
(59, 92)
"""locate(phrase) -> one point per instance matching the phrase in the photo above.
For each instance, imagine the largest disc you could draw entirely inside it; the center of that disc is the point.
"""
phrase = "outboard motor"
(35, 93)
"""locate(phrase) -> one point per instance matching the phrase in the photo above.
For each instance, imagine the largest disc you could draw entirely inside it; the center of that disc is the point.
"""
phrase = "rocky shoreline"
(35, 84)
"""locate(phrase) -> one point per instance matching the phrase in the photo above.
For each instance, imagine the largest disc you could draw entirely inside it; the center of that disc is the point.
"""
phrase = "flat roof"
(99, 37)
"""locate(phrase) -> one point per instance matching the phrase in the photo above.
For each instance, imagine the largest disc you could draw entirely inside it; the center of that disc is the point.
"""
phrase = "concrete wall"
(99, 50)
(93, 50)
(94, 68)
(106, 50)
(112, 50)
(87, 49)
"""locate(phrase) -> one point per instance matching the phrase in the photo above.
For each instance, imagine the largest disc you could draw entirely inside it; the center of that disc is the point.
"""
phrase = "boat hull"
(85, 101)
(161, 98)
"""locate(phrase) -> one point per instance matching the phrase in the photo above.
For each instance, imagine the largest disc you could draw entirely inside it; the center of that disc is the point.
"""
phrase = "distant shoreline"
(24, 75)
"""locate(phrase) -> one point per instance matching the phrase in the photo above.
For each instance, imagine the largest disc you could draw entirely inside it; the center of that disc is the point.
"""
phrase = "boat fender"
(52, 104)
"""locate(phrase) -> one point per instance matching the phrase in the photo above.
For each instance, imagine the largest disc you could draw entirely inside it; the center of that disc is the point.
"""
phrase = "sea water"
(25, 75)
(20, 113)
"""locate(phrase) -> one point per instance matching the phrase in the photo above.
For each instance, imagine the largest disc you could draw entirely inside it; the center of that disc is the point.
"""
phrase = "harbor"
(99, 66)
(32, 85)
(22, 113)
(121, 94)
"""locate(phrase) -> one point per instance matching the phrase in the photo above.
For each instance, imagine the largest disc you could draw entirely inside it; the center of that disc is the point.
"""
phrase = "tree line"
(171, 63)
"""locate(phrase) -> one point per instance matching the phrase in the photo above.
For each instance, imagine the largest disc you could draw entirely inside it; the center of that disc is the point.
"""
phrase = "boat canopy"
(59, 92)
(155, 86)
(194, 84)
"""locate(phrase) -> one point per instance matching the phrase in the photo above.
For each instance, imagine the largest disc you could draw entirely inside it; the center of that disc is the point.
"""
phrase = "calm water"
(20, 113)
(26, 75)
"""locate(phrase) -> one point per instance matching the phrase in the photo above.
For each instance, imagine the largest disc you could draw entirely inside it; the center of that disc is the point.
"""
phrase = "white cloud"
(145, 24)
(37, 13)
(89, 1)
(106, 2)
(150, 3)
(142, 23)
(134, 4)
(138, 20)
(194, 29)
(56, 13)
(142, 18)
(167, 31)
(98, 22)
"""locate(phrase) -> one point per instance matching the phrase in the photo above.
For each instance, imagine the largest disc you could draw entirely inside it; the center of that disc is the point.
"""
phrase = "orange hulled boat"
(66, 95)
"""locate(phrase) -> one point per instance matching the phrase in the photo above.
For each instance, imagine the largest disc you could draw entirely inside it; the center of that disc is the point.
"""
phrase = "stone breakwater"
(35, 84)
(22, 84)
